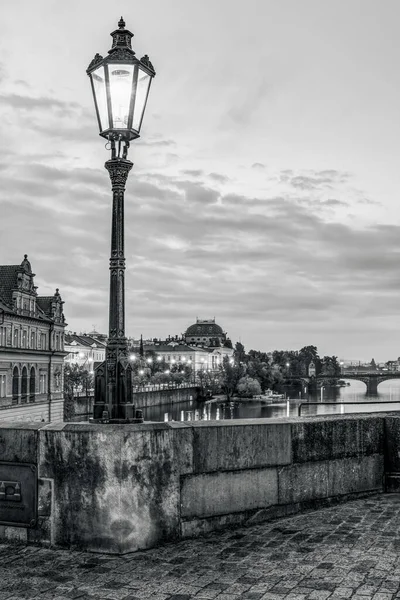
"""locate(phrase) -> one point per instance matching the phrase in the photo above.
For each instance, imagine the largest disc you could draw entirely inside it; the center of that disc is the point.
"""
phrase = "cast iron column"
(117, 346)
(113, 381)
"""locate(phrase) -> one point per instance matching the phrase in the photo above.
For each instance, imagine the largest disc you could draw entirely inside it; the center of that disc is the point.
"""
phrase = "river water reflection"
(254, 409)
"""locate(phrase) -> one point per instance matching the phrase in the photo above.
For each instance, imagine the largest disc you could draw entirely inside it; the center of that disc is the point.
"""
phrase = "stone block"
(226, 446)
(116, 487)
(19, 442)
(324, 479)
(228, 492)
(337, 437)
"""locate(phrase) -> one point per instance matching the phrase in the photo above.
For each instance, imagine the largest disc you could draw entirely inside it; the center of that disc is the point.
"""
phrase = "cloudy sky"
(265, 186)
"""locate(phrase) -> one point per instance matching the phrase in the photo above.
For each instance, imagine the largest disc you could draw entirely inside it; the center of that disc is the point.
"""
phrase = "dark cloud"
(218, 177)
(192, 172)
(29, 103)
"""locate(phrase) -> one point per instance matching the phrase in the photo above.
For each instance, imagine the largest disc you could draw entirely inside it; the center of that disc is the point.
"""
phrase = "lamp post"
(120, 85)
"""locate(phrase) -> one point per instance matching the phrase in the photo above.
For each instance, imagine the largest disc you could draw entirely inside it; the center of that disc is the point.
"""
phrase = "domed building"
(205, 333)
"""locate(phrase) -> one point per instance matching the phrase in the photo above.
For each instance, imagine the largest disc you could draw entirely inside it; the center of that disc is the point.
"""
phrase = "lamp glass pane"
(141, 97)
(120, 93)
(99, 85)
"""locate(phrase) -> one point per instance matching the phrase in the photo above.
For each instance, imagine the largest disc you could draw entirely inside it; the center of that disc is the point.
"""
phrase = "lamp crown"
(121, 39)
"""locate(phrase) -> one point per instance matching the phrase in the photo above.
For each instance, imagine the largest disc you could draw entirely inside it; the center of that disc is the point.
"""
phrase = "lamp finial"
(121, 23)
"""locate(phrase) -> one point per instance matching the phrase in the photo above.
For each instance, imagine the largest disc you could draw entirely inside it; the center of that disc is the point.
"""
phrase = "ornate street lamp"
(120, 84)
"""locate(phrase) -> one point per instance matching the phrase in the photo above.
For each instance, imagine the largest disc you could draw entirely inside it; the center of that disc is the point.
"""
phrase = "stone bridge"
(371, 379)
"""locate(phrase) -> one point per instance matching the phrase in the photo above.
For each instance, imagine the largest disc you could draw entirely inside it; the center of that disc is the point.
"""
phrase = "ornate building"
(31, 348)
(205, 333)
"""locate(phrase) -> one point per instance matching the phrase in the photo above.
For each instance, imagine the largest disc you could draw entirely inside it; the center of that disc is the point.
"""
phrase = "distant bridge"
(371, 378)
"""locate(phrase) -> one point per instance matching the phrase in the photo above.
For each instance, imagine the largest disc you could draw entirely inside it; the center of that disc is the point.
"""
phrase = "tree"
(239, 353)
(231, 372)
(210, 381)
(248, 387)
(76, 378)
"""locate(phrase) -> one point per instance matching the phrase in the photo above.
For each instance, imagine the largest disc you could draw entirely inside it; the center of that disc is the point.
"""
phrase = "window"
(3, 336)
(42, 383)
(32, 385)
(33, 340)
(15, 386)
(16, 332)
(43, 341)
(24, 338)
(3, 382)
(24, 386)
(57, 381)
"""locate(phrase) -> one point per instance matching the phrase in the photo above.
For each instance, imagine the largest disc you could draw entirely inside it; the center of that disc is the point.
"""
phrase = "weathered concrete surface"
(392, 453)
(240, 444)
(228, 492)
(324, 479)
(116, 488)
(337, 437)
(347, 551)
(19, 442)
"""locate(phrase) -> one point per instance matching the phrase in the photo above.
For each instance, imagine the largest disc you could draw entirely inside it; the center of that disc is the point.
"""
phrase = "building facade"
(85, 350)
(31, 348)
(205, 333)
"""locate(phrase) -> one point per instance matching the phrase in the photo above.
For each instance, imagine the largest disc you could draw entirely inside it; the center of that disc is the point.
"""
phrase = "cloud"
(29, 103)
(247, 100)
(192, 172)
(258, 165)
(218, 177)
(254, 260)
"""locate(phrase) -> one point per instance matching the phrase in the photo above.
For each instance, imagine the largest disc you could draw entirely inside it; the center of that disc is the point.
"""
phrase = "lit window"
(3, 382)
(42, 383)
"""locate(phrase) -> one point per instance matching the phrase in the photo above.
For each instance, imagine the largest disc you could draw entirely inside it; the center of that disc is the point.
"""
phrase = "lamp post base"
(113, 401)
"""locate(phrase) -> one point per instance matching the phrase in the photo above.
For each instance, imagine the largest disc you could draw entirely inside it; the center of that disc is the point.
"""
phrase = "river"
(254, 409)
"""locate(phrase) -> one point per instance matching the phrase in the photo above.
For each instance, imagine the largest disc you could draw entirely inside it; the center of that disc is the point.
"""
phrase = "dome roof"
(204, 328)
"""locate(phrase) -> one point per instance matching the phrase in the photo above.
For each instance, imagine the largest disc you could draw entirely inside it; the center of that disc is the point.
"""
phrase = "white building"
(85, 350)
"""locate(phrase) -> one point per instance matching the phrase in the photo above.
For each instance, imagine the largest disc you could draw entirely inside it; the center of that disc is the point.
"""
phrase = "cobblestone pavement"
(346, 551)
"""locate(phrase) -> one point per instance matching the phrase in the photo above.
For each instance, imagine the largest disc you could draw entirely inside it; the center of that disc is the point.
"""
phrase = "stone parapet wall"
(121, 488)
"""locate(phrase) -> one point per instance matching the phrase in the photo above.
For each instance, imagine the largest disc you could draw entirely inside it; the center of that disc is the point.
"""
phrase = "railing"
(157, 387)
(342, 404)
(144, 388)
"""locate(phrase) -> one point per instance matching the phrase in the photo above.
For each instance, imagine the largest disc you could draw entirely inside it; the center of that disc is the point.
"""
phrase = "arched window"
(24, 386)
(32, 385)
(15, 386)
